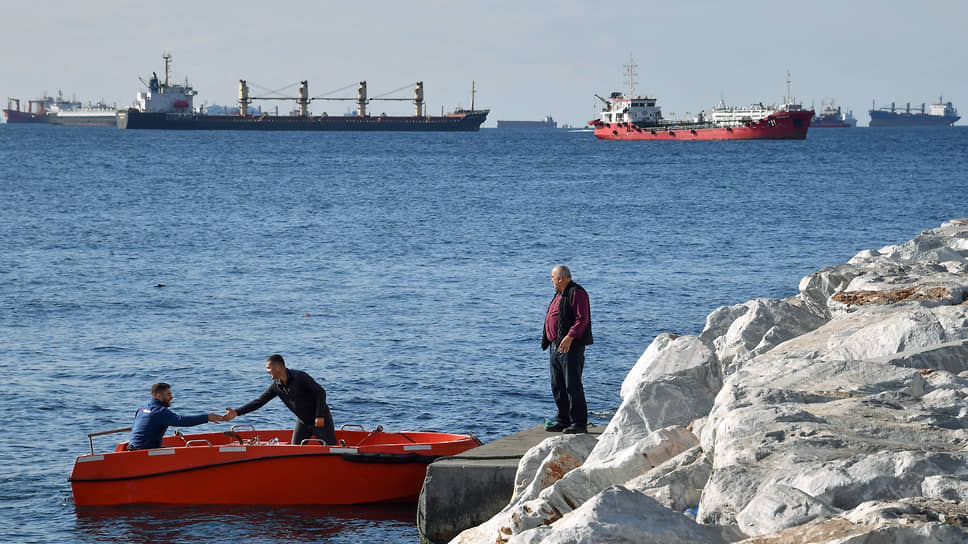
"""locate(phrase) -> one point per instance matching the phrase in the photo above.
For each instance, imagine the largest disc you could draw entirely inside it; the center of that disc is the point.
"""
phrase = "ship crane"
(303, 98)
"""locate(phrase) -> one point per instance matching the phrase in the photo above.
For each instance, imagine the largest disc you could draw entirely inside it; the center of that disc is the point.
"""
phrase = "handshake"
(229, 415)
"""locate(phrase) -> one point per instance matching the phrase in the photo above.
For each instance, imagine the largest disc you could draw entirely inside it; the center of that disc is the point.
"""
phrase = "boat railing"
(344, 426)
(242, 428)
(196, 442)
(90, 436)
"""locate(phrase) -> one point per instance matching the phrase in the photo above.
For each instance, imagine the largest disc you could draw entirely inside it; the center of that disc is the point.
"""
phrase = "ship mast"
(630, 75)
(473, 92)
(167, 58)
(789, 99)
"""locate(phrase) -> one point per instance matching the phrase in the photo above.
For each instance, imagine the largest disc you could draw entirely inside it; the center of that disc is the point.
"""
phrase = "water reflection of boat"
(247, 523)
(262, 467)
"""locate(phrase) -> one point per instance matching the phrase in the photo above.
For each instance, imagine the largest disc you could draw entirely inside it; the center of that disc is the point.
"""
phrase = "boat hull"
(135, 119)
(381, 467)
(14, 116)
(788, 125)
(100, 119)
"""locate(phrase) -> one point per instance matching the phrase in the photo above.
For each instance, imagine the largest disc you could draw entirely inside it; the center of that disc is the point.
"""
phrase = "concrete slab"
(466, 490)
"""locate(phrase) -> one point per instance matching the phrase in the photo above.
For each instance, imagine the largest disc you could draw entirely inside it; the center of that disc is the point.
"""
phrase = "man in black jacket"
(567, 330)
(302, 395)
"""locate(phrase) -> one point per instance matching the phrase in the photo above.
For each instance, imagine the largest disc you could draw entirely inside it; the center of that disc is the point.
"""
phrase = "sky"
(528, 59)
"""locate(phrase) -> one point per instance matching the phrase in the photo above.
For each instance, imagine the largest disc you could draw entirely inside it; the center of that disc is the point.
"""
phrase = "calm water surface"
(409, 273)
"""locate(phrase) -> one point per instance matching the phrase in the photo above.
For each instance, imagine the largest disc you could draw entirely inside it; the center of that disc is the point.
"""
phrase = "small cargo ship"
(639, 118)
(61, 111)
(832, 117)
(245, 466)
(939, 114)
(33, 114)
(548, 122)
(170, 106)
(74, 113)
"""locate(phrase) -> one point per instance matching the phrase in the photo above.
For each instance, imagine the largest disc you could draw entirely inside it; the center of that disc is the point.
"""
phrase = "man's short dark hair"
(159, 388)
(276, 359)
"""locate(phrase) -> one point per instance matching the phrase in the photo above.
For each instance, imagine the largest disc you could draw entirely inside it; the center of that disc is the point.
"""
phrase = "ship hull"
(14, 116)
(894, 119)
(790, 125)
(464, 122)
(106, 119)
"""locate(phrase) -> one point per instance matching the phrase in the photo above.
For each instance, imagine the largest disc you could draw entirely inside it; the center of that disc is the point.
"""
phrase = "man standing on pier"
(567, 330)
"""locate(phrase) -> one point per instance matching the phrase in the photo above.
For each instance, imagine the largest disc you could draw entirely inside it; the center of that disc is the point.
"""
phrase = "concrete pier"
(466, 490)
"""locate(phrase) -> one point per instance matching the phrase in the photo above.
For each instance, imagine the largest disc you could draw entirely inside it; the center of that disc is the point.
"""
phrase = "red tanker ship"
(638, 118)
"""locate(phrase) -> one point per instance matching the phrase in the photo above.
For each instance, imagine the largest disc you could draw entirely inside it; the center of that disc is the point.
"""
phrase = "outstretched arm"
(232, 413)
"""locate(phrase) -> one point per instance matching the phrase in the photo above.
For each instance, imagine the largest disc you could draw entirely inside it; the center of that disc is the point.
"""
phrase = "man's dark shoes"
(555, 427)
(575, 429)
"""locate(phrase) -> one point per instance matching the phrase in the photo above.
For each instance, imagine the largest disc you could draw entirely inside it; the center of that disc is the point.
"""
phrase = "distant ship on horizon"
(832, 117)
(548, 122)
(61, 111)
(938, 114)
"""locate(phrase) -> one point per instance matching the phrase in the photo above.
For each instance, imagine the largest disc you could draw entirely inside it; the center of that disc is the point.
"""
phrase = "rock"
(765, 324)
(619, 515)
(548, 462)
(672, 383)
(778, 507)
(539, 468)
(907, 521)
(676, 484)
(944, 487)
(818, 287)
(527, 512)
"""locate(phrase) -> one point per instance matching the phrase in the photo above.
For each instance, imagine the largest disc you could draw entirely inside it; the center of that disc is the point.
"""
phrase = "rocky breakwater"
(836, 415)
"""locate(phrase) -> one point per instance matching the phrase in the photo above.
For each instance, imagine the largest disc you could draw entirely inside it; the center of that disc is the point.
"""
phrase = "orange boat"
(261, 467)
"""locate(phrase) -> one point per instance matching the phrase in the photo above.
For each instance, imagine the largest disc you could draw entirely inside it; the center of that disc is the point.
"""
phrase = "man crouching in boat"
(301, 394)
(153, 419)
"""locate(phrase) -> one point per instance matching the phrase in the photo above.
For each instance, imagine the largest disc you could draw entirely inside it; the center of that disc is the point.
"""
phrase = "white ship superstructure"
(165, 97)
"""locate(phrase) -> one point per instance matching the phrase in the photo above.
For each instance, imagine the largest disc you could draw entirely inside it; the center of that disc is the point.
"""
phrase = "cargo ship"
(639, 118)
(939, 114)
(170, 106)
(33, 114)
(73, 113)
(832, 117)
(548, 122)
(61, 111)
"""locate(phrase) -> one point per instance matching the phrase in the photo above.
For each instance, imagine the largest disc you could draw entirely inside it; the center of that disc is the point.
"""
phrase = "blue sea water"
(409, 273)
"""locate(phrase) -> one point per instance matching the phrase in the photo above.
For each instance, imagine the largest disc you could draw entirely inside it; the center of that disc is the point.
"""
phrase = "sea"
(408, 273)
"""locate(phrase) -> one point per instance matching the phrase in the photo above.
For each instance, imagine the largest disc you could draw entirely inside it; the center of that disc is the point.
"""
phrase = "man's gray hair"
(561, 271)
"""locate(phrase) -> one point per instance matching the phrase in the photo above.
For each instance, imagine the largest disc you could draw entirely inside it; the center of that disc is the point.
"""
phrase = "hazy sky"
(529, 58)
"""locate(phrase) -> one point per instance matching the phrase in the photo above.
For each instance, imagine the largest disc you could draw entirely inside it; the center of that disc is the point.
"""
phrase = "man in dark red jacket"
(302, 395)
(567, 330)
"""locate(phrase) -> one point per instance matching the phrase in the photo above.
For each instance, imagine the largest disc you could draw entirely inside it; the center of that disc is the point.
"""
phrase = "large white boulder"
(619, 515)
(764, 324)
(673, 382)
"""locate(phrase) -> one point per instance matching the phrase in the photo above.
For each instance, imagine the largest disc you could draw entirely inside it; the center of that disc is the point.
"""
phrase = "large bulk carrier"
(939, 114)
(171, 106)
(638, 118)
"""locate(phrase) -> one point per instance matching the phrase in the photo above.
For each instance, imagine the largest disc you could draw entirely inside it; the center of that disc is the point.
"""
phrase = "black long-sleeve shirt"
(300, 393)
